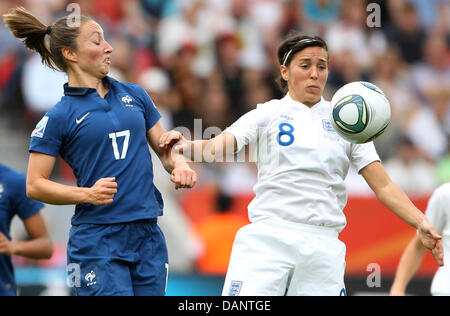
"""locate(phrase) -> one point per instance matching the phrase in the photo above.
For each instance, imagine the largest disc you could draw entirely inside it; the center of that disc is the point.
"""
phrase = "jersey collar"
(297, 103)
(80, 91)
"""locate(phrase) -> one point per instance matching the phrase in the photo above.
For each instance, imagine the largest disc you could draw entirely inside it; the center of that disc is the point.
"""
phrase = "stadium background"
(215, 60)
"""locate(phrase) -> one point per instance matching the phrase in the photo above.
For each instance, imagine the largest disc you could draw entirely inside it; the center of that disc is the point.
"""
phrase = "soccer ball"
(360, 112)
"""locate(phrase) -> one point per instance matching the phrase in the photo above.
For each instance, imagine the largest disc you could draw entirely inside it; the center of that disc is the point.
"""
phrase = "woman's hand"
(5, 246)
(173, 139)
(431, 240)
(183, 176)
(103, 191)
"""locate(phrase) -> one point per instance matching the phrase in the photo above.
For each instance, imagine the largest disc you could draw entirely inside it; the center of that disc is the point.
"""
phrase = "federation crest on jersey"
(235, 288)
(40, 128)
(90, 278)
(329, 130)
(127, 101)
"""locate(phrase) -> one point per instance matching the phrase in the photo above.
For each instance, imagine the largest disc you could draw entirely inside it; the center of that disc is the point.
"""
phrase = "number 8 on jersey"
(286, 136)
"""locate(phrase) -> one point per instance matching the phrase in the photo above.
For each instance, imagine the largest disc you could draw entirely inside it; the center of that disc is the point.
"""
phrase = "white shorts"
(273, 257)
(440, 286)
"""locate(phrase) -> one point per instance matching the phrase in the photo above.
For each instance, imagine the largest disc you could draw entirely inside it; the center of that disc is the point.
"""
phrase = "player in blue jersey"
(13, 201)
(102, 129)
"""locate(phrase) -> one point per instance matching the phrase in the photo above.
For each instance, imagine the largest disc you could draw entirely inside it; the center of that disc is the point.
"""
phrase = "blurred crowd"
(215, 60)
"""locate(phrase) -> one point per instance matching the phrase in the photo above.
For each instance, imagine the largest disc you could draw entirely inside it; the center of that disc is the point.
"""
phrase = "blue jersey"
(13, 201)
(105, 137)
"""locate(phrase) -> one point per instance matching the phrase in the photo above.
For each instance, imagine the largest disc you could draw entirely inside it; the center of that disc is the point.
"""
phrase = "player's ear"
(69, 54)
(284, 72)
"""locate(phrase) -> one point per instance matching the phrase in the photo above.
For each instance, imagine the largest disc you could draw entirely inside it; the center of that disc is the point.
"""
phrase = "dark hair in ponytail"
(294, 43)
(31, 31)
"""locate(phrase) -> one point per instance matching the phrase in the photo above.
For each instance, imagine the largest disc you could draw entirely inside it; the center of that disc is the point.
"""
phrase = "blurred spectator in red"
(109, 9)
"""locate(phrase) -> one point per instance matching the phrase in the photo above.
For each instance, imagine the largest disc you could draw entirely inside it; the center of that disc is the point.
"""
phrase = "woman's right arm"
(40, 188)
(211, 150)
(242, 132)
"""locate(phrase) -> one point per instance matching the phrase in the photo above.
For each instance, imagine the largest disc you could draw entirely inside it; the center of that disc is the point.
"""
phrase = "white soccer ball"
(360, 112)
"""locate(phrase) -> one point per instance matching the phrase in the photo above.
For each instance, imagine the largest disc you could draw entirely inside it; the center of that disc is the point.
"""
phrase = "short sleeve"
(363, 155)
(246, 128)
(435, 212)
(47, 137)
(152, 116)
(23, 206)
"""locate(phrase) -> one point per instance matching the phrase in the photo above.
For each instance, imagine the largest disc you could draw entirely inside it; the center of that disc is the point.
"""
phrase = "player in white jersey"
(291, 246)
(438, 214)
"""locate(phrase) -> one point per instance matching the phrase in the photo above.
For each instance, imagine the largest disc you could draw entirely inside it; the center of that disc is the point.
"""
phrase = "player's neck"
(86, 81)
(308, 103)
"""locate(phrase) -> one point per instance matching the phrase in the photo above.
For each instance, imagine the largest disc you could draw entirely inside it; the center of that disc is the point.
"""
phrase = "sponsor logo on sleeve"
(40, 128)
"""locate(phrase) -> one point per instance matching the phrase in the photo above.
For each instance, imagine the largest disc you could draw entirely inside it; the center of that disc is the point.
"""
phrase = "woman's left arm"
(175, 164)
(40, 245)
(393, 197)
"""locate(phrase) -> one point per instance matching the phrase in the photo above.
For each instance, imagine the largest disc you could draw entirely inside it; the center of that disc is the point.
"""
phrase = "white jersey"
(302, 162)
(438, 214)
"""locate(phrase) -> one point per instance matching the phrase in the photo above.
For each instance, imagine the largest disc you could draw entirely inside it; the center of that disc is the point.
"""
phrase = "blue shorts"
(126, 259)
